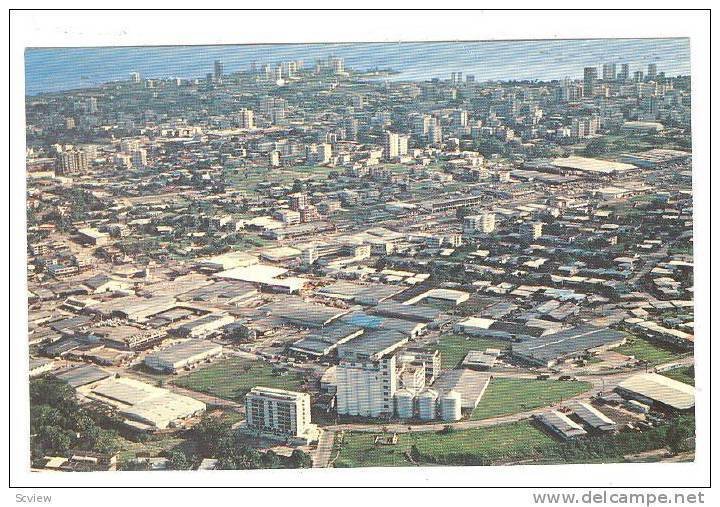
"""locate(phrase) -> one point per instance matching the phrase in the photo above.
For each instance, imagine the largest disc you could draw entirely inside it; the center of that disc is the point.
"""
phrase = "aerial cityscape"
(360, 255)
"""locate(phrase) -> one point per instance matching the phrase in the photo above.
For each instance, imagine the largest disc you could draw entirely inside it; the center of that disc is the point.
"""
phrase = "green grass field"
(509, 395)
(685, 374)
(644, 350)
(492, 443)
(234, 377)
(454, 347)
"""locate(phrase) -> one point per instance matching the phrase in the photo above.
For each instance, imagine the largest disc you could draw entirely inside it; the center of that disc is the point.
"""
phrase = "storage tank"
(427, 401)
(404, 401)
(451, 406)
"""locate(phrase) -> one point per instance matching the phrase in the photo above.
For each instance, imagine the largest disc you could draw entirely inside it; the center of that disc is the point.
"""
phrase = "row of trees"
(215, 438)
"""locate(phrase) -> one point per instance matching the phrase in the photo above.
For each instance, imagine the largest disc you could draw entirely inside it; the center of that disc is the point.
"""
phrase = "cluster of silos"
(427, 402)
(404, 404)
(431, 405)
(450, 406)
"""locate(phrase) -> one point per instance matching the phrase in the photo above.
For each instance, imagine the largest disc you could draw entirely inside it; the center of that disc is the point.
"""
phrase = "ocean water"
(59, 69)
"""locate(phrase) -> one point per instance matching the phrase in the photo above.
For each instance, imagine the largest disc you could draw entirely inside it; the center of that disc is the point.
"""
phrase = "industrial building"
(370, 294)
(379, 323)
(658, 390)
(182, 354)
(205, 325)
(430, 358)
(426, 314)
(560, 424)
(82, 375)
(266, 276)
(227, 261)
(592, 417)
(372, 345)
(469, 385)
(146, 407)
(125, 337)
(552, 349)
(591, 166)
(323, 342)
(479, 360)
(656, 157)
(449, 296)
(221, 292)
(302, 313)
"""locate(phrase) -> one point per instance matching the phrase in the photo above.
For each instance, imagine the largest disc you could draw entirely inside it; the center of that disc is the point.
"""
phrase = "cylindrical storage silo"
(427, 401)
(404, 400)
(451, 406)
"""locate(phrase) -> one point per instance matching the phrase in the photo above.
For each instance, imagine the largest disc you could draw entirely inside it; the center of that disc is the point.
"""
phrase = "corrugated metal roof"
(661, 389)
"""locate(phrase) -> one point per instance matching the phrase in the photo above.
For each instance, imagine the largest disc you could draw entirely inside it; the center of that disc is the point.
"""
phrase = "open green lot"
(643, 350)
(234, 377)
(685, 374)
(455, 347)
(511, 395)
(491, 443)
(521, 441)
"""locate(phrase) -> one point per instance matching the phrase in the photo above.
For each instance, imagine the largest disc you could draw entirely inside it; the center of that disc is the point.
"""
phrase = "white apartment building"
(484, 223)
(139, 158)
(278, 412)
(246, 119)
(531, 230)
(367, 388)
(318, 153)
(390, 146)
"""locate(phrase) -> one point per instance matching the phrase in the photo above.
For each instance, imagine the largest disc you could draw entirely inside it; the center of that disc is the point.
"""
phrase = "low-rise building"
(182, 354)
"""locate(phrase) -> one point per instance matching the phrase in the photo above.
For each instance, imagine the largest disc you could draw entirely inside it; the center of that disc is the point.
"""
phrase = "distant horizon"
(53, 70)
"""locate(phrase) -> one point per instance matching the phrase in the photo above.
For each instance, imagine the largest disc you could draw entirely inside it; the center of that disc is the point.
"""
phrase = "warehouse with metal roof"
(83, 375)
(560, 424)
(425, 314)
(469, 384)
(320, 343)
(182, 354)
(552, 349)
(296, 311)
(150, 406)
(372, 345)
(364, 294)
(655, 389)
(592, 416)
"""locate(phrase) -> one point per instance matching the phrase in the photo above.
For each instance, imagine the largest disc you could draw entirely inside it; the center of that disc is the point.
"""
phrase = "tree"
(214, 437)
(56, 440)
(598, 146)
(135, 465)
(271, 460)
(677, 436)
(177, 460)
(105, 442)
(300, 459)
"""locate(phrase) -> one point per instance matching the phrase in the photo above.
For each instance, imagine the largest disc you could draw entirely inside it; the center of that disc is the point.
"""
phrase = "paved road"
(323, 453)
